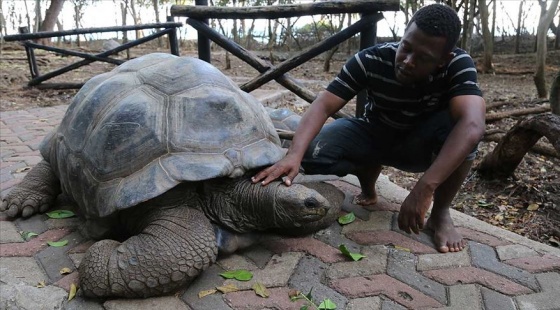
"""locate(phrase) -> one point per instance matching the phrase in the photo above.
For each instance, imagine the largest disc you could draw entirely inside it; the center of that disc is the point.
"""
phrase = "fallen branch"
(539, 147)
(511, 149)
(493, 105)
(491, 117)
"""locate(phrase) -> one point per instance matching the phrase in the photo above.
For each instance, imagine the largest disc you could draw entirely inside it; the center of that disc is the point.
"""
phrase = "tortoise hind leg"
(35, 193)
(172, 247)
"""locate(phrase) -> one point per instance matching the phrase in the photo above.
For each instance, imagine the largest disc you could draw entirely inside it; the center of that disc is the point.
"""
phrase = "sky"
(104, 13)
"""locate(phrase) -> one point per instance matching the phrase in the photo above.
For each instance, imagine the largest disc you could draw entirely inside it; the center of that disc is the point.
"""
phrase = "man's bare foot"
(365, 200)
(446, 236)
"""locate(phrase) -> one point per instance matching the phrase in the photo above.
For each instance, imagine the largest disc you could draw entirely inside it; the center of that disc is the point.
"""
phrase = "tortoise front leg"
(35, 193)
(173, 247)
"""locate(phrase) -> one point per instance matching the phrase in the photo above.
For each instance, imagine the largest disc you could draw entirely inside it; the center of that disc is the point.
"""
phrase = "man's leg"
(446, 236)
(367, 177)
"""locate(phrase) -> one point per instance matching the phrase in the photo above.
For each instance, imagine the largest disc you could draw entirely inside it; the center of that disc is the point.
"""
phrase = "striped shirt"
(397, 105)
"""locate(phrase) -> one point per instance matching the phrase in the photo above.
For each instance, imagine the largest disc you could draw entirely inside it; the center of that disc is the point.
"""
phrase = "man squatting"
(425, 113)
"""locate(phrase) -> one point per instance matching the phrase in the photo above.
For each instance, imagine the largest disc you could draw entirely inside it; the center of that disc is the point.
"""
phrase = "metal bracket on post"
(368, 38)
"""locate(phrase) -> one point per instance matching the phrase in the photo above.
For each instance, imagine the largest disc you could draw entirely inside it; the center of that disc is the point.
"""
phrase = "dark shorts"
(346, 146)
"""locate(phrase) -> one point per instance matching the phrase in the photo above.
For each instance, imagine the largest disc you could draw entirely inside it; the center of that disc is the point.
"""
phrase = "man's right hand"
(287, 167)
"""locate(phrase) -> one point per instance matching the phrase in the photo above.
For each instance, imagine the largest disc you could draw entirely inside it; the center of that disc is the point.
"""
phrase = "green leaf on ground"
(327, 304)
(353, 256)
(240, 274)
(60, 214)
(57, 243)
(347, 218)
(27, 235)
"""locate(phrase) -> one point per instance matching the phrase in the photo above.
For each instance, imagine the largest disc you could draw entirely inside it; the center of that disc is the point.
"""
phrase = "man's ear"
(446, 59)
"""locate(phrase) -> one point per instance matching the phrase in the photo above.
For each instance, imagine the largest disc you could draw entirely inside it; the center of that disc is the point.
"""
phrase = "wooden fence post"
(30, 55)
(172, 36)
(203, 41)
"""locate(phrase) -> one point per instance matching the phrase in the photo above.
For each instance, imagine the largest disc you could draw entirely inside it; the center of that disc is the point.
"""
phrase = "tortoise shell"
(132, 134)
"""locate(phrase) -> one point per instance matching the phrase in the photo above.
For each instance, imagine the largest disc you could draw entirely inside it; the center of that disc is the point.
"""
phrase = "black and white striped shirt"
(397, 105)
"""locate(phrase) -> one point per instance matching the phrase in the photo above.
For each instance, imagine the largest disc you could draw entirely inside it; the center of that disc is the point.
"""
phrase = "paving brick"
(402, 266)
(53, 259)
(324, 252)
(387, 304)
(235, 261)
(67, 280)
(481, 237)
(547, 299)
(209, 279)
(70, 223)
(32, 246)
(378, 220)
(35, 223)
(258, 254)
(357, 287)
(275, 274)
(513, 251)
(443, 260)
(76, 259)
(484, 257)
(24, 269)
(247, 300)
(167, 302)
(81, 303)
(390, 238)
(9, 233)
(536, 263)
(309, 275)
(464, 297)
(470, 275)
(82, 247)
(375, 262)
(368, 303)
(332, 236)
(494, 300)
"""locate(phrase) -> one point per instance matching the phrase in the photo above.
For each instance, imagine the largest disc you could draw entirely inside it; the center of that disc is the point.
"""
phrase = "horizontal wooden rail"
(54, 34)
(285, 10)
(72, 53)
(37, 80)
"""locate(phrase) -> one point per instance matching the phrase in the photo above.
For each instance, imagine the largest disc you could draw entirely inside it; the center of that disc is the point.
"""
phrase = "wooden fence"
(198, 15)
(169, 28)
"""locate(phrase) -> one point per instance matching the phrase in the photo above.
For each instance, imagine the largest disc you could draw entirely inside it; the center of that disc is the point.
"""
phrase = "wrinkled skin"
(174, 237)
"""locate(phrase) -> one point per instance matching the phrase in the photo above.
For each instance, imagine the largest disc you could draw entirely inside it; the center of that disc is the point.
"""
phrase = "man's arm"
(468, 111)
(325, 105)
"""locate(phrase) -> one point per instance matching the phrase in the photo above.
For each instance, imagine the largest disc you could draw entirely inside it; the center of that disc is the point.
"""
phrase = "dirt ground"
(527, 203)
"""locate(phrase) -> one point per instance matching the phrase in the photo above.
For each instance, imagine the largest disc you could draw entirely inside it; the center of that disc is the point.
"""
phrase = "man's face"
(419, 55)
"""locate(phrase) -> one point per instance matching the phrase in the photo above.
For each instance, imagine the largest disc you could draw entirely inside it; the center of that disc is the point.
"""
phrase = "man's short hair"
(438, 20)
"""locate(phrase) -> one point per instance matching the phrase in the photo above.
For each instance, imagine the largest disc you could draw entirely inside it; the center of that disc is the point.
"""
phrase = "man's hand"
(287, 166)
(414, 209)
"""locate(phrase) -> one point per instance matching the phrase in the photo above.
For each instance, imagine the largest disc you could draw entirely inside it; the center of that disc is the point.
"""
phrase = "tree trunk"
(124, 10)
(38, 16)
(555, 95)
(3, 29)
(487, 66)
(518, 30)
(51, 15)
(470, 27)
(542, 29)
(557, 39)
(155, 4)
(509, 152)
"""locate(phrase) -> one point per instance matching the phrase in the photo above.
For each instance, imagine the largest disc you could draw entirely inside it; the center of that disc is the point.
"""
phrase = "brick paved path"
(498, 270)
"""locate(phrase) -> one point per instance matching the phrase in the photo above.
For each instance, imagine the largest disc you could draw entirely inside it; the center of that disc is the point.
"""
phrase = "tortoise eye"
(311, 203)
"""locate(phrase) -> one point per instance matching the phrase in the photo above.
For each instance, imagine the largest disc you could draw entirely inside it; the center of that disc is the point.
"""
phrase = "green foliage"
(240, 274)
(326, 304)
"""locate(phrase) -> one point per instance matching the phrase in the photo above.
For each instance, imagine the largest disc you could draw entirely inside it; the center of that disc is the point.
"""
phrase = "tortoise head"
(311, 206)
(297, 205)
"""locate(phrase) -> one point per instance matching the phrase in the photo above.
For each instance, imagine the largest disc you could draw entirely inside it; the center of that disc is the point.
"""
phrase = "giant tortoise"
(158, 154)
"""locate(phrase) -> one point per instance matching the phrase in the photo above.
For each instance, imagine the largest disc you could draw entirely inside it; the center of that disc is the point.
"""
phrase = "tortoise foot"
(36, 193)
